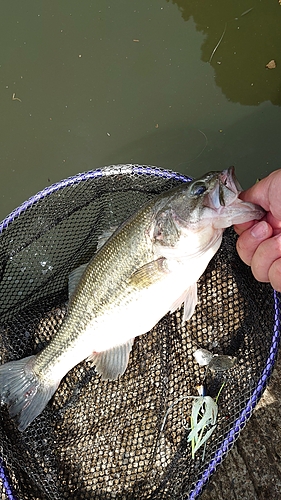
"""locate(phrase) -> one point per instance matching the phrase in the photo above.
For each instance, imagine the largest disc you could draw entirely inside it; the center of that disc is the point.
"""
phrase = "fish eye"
(198, 188)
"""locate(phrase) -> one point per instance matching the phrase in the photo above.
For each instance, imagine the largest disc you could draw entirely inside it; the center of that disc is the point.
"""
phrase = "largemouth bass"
(149, 266)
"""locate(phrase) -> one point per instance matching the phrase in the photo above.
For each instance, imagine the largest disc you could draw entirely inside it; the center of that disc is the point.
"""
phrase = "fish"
(147, 268)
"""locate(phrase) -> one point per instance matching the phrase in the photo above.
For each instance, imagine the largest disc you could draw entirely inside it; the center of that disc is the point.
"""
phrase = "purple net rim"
(91, 174)
(245, 414)
(5, 482)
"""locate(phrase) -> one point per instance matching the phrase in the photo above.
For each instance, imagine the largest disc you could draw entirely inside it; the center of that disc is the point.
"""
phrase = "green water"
(121, 81)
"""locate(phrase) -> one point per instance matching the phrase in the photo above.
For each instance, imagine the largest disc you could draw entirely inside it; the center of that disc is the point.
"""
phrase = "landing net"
(126, 439)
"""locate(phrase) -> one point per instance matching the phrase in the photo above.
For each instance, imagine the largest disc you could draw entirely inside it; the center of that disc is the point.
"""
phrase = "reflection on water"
(174, 84)
(242, 37)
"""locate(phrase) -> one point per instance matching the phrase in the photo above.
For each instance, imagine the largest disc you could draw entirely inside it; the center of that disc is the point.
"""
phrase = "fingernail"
(260, 230)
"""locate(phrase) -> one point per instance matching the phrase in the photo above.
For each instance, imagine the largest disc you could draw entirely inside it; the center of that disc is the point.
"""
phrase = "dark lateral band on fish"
(148, 267)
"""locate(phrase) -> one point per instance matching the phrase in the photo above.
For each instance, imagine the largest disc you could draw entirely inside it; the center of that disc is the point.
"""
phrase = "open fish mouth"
(228, 178)
(229, 187)
(223, 197)
(224, 189)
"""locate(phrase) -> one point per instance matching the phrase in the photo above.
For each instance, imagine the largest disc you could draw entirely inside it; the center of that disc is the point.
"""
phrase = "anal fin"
(113, 362)
(189, 297)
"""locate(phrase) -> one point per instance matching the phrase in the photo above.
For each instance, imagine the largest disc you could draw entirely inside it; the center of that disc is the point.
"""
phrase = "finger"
(274, 223)
(265, 255)
(250, 239)
(240, 228)
(274, 275)
(266, 193)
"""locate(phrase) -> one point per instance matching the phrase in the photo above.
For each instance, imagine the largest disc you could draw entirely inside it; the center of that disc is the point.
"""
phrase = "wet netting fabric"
(125, 439)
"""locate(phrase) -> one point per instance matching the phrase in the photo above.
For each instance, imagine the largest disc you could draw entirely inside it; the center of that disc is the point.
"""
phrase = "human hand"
(259, 243)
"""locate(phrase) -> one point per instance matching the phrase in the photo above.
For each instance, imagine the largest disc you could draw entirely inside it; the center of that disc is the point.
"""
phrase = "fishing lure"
(203, 421)
(203, 415)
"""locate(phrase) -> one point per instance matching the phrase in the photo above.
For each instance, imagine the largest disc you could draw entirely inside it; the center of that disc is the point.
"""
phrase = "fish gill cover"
(124, 439)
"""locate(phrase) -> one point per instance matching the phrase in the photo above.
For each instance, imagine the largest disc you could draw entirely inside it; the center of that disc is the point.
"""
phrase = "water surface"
(178, 84)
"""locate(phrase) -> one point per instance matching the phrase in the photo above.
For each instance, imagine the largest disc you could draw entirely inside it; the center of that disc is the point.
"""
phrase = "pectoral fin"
(113, 362)
(150, 273)
(189, 297)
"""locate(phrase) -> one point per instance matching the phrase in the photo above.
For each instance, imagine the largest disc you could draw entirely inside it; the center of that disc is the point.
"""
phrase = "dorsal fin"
(74, 279)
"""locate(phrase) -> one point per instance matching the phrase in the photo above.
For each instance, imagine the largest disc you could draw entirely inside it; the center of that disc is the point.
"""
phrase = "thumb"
(250, 239)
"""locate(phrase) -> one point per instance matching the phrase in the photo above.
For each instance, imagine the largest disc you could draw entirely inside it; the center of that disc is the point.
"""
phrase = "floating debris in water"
(247, 12)
(220, 40)
(14, 98)
(271, 64)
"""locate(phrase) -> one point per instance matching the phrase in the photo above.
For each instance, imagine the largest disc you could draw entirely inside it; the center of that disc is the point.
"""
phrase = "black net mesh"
(106, 440)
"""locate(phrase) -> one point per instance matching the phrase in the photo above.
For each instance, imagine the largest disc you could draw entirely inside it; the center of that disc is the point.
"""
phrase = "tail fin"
(23, 391)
